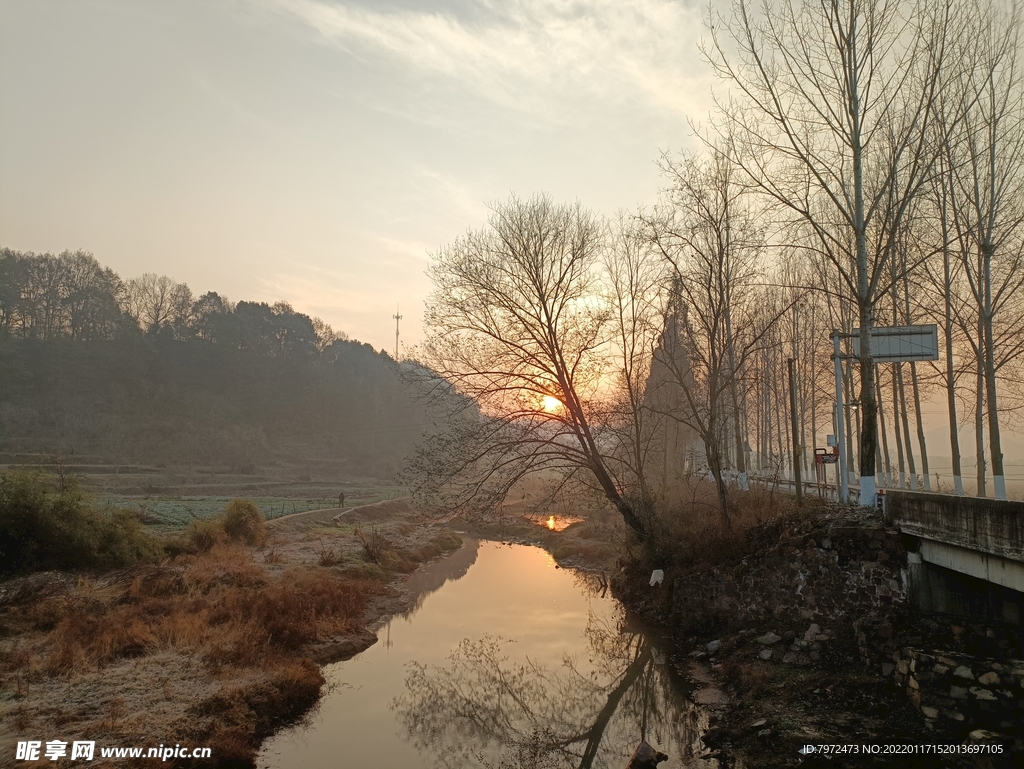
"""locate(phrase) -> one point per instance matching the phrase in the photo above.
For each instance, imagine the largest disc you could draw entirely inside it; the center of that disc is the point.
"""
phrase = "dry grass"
(376, 546)
(223, 633)
(328, 556)
(221, 606)
(238, 717)
(688, 532)
(243, 522)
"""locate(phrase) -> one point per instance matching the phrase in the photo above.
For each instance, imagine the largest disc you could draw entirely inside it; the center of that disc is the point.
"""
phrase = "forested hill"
(140, 371)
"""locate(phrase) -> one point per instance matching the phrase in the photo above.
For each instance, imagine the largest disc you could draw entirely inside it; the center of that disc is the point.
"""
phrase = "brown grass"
(226, 610)
(376, 546)
(328, 556)
(243, 522)
(240, 716)
(689, 532)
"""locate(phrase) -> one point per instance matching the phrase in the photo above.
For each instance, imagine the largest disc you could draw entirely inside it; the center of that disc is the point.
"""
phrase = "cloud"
(530, 54)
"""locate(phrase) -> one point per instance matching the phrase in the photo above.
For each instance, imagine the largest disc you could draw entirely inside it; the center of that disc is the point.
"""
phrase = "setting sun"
(551, 403)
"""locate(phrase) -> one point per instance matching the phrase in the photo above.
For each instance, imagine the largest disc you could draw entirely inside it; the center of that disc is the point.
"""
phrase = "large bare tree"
(519, 325)
(830, 101)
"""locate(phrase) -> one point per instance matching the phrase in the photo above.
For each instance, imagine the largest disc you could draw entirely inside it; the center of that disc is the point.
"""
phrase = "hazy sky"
(317, 151)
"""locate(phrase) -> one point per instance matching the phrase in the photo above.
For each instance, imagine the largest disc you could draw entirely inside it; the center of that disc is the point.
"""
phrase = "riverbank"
(810, 635)
(215, 649)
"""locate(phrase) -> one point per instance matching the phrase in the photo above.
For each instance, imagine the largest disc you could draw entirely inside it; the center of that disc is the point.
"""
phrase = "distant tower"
(397, 318)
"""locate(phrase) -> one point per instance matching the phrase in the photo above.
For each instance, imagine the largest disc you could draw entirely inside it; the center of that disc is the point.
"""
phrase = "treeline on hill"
(142, 371)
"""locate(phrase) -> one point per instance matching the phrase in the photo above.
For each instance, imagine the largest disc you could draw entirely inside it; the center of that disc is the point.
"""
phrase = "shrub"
(244, 522)
(41, 528)
(376, 546)
(201, 535)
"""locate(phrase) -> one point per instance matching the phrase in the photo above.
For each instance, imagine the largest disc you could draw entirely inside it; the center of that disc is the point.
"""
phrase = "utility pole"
(397, 318)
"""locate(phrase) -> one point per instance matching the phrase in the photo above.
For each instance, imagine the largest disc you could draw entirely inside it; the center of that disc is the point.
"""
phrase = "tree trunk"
(896, 426)
(979, 423)
(847, 416)
(920, 426)
(995, 447)
(713, 451)
(954, 436)
(905, 421)
(887, 477)
(916, 391)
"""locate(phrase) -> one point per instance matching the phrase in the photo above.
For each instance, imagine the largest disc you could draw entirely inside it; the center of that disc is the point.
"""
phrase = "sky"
(318, 151)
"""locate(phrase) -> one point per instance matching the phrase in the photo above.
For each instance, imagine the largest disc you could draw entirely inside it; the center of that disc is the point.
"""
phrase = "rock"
(646, 757)
(982, 694)
(983, 734)
(812, 632)
(928, 712)
(789, 658)
(698, 654)
(953, 715)
(765, 654)
(940, 669)
(821, 637)
(989, 679)
(958, 692)
(657, 577)
(769, 638)
(710, 696)
(764, 733)
(815, 656)
(964, 672)
(826, 543)
(887, 668)
(788, 636)
(903, 666)
(758, 723)
(714, 646)
(912, 683)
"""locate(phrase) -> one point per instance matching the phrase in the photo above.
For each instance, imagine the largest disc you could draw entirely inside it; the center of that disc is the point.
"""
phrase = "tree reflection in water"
(485, 710)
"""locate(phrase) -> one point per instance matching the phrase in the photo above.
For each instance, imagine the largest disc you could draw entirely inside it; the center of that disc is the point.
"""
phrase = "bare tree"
(831, 103)
(715, 320)
(985, 158)
(155, 300)
(636, 280)
(517, 325)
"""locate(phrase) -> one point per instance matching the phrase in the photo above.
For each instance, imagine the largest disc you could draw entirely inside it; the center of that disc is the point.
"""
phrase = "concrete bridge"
(965, 554)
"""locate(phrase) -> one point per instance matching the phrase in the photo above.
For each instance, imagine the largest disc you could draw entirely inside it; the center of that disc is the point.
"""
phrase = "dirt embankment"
(215, 648)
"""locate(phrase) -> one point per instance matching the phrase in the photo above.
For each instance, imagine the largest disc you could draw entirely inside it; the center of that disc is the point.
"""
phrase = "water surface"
(503, 661)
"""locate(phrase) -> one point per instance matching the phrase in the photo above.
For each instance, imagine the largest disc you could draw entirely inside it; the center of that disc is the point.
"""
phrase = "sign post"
(844, 480)
(889, 344)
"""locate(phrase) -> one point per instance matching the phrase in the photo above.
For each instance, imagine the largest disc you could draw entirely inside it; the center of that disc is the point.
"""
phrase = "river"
(502, 661)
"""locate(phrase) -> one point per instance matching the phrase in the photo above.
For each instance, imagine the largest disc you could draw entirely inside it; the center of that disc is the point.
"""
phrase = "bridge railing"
(992, 526)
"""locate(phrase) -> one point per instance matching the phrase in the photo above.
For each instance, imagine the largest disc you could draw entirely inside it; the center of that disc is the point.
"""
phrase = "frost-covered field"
(175, 512)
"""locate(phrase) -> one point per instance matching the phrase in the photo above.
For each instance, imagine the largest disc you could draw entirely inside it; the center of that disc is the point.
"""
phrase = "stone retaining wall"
(962, 675)
(960, 687)
(827, 570)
